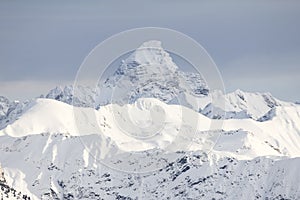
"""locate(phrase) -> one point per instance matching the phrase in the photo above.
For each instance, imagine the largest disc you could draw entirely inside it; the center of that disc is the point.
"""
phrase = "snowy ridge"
(50, 116)
(56, 166)
(241, 105)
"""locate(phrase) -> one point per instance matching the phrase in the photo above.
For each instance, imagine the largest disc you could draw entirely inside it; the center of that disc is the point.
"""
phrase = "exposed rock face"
(84, 98)
(147, 72)
(194, 175)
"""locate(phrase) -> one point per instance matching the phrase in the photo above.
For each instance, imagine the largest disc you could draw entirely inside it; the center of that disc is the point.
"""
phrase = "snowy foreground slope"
(147, 144)
(44, 155)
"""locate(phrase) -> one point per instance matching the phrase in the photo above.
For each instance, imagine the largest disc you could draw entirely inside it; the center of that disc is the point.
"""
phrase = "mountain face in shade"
(150, 72)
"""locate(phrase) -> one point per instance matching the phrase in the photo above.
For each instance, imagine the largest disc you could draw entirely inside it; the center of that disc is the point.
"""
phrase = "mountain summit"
(150, 53)
(150, 72)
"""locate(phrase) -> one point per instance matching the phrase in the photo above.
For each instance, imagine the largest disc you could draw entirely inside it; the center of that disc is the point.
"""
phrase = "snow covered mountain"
(86, 97)
(44, 155)
(149, 72)
(50, 116)
(10, 111)
(143, 139)
(240, 105)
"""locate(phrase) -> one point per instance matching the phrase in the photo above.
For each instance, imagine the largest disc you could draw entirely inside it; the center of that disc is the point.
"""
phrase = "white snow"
(150, 123)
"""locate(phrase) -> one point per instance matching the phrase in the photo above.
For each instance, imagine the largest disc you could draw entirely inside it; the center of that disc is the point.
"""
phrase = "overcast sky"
(255, 44)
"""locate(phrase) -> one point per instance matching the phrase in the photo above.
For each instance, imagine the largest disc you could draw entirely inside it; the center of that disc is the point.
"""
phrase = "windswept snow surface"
(276, 136)
(44, 151)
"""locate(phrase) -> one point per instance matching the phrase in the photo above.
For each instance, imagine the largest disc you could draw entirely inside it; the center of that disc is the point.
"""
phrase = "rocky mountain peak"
(150, 72)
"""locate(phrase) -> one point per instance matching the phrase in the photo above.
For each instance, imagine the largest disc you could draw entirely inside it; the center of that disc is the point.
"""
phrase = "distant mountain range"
(143, 138)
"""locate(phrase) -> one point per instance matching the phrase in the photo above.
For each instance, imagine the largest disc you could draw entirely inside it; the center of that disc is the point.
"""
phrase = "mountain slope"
(240, 105)
(58, 166)
(50, 116)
